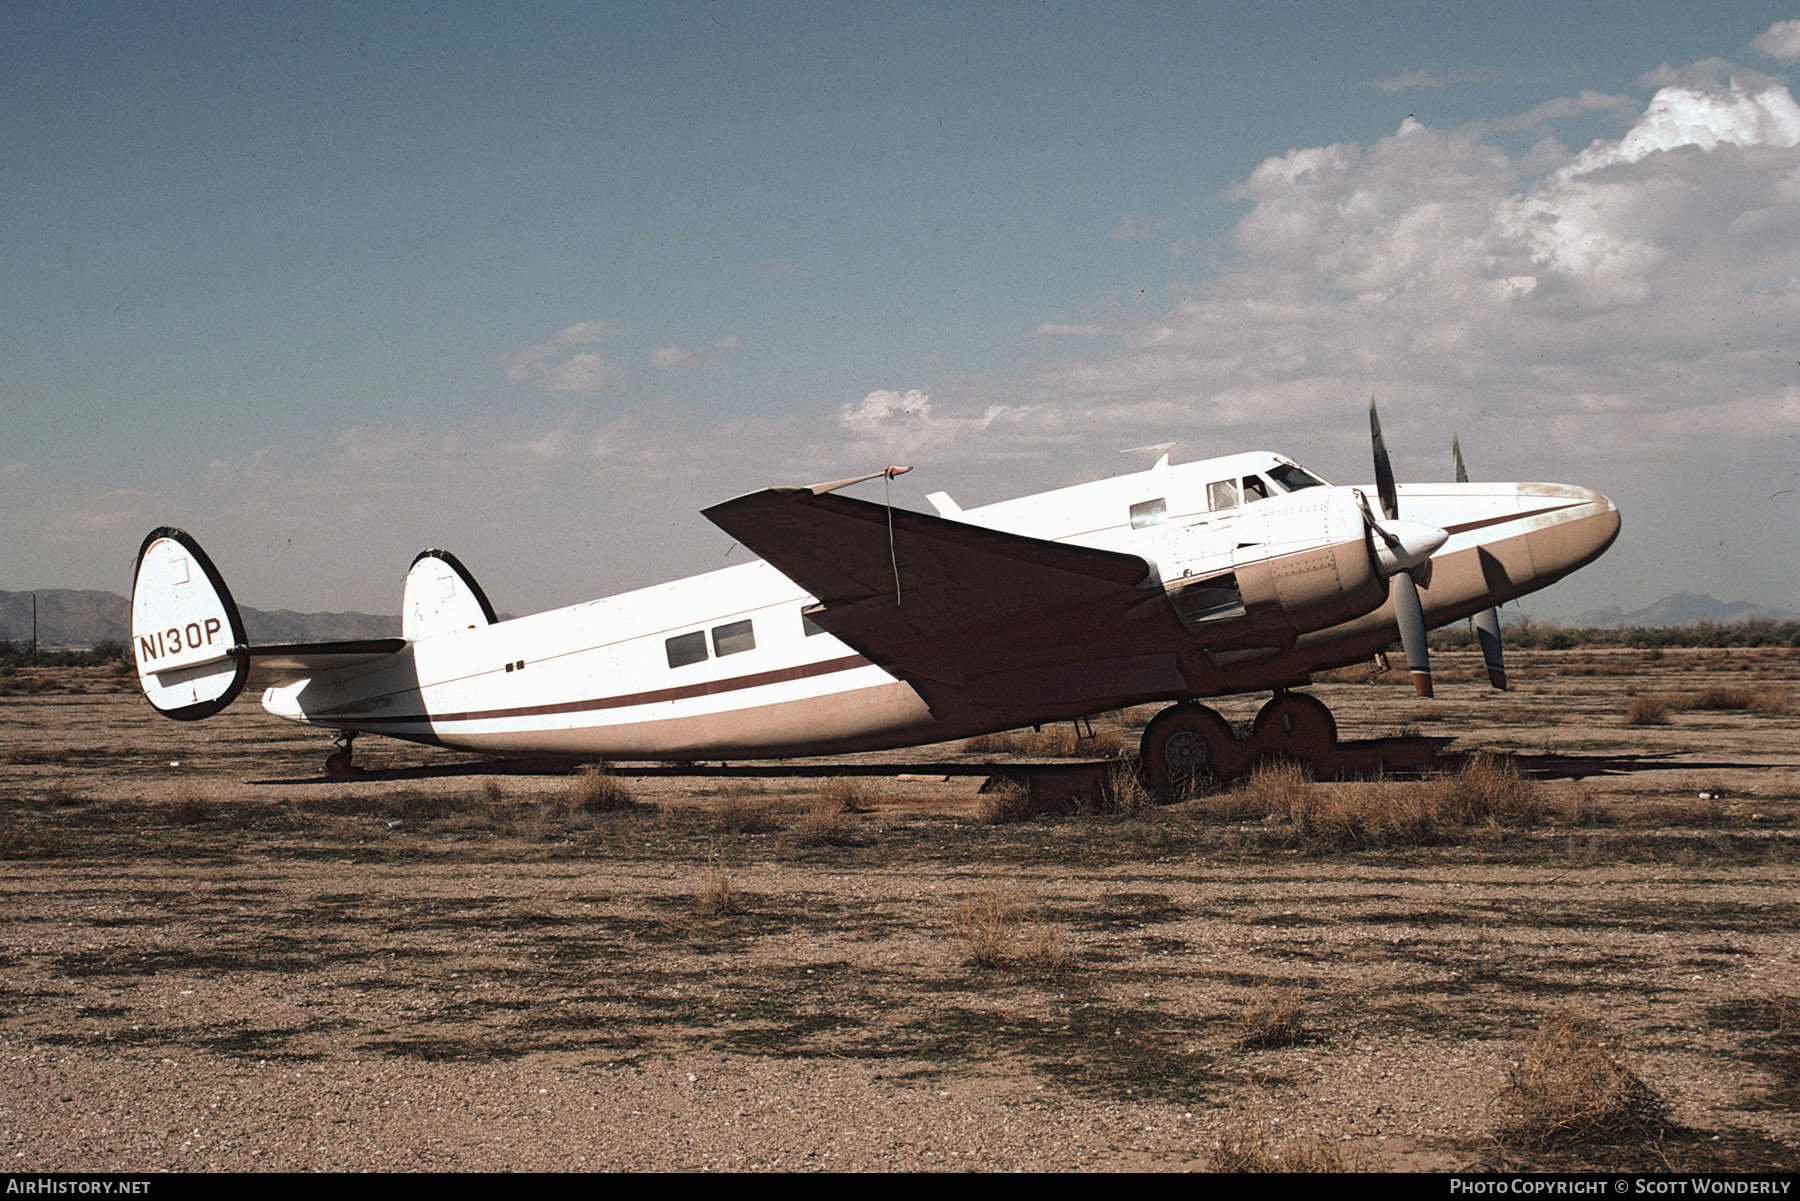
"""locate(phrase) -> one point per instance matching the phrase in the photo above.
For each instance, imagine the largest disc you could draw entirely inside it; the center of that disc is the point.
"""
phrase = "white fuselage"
(723, 665)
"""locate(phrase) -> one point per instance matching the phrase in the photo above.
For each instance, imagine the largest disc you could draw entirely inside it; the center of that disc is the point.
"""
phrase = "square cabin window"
(1147, 513)
(686, 648)
(730, 639)
(1222, 495)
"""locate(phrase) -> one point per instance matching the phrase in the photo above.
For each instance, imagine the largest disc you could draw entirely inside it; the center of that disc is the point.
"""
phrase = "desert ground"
(211, 957)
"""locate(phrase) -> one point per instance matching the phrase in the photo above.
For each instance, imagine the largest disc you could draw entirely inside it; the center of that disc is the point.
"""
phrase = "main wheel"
(1188, 745)
(1296, 726)
(339, 767)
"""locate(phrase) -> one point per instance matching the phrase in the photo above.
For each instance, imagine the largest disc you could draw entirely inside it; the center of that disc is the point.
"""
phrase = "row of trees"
(1530, 634)
(17, 653)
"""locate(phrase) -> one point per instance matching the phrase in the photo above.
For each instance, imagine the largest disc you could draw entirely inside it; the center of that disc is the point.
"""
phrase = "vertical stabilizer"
(192, 658)
(441, 597)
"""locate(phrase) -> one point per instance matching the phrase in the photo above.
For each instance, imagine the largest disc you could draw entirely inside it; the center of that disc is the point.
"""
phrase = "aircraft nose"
(1417, 542)
(1574, 526)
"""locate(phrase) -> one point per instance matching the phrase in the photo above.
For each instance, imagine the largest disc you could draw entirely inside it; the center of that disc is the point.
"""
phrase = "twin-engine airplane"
(867, 627)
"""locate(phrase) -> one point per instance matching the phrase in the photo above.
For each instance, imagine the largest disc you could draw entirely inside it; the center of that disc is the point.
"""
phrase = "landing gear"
(339, 765)
(1189, 745)
(1296, 726)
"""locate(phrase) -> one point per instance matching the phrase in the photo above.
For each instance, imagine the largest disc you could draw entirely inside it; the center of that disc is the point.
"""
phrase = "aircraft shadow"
(1356, 759)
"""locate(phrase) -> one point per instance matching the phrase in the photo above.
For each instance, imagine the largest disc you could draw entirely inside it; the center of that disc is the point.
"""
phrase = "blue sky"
(327, 284)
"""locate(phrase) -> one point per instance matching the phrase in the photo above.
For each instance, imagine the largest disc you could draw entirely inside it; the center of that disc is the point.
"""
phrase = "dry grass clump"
(1271, 1018)
(1367, 813)
(825, 820)
(593, 790)
(1773, 698)
(1269, 791)
(1260, 1152)
(715, 897)
(1125, 791)
(1061, 741)
(1007, 801)
(1488, 791)
(742, 811)
(1653, 708)
(1571, 1088)
(993, 927)
(1255, 1142)
(1490, 788)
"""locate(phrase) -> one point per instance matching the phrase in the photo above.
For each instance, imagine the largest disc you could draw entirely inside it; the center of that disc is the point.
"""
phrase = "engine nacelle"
(1294, 563)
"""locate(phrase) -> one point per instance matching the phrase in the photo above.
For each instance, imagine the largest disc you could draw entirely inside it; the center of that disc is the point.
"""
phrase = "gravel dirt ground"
(213, 958)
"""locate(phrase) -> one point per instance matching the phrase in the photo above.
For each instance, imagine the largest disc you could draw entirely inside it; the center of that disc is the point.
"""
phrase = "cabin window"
(1222, 495)
(686, 648)
(807, 624)
(1148, 513)
(1255, 489)
(730, 639)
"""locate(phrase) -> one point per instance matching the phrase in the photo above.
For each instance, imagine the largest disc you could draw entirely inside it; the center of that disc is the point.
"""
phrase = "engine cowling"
(1293, 563)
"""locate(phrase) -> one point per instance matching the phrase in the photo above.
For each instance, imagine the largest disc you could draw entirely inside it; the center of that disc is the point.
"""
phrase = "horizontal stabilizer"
(283, 663)
(192, 655)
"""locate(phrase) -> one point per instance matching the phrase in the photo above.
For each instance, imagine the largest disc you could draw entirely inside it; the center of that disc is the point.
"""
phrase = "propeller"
(1486, 622)
(1409, 613)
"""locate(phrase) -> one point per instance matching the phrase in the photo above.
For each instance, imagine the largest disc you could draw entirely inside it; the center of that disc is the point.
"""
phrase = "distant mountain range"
(74, 617)
(1683, 609)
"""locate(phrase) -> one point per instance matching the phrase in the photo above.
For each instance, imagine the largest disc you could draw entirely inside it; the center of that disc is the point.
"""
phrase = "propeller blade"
(1411, 617)
(1486, 622)
(1487, 632)
(1384, 470)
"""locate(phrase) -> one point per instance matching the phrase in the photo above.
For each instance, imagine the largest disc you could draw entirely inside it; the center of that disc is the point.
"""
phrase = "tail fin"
(192, 655)
(441, 597)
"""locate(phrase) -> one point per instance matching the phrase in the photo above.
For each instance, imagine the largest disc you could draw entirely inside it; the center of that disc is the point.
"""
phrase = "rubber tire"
(1299, 727)
(1189, 744)
(338, 766)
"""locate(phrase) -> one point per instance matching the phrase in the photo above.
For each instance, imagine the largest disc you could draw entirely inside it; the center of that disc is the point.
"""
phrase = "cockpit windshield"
(1292, 478)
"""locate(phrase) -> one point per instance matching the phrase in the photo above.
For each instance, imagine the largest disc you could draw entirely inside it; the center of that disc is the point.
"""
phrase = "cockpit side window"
(1222, 495)
(1255, 489)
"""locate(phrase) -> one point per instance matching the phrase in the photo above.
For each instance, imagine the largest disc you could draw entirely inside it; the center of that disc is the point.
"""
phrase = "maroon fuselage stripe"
(1466, 526)
(706, 688)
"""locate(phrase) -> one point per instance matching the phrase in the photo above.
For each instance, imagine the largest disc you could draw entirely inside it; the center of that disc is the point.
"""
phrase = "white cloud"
(557, 364)
(1562, 107)
(1408, 81)
(1133, 230)
(1780, 41)
(1067, 329)
(671, 356)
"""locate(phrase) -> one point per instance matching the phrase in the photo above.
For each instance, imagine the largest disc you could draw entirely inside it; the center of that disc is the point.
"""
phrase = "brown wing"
(961, 611)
